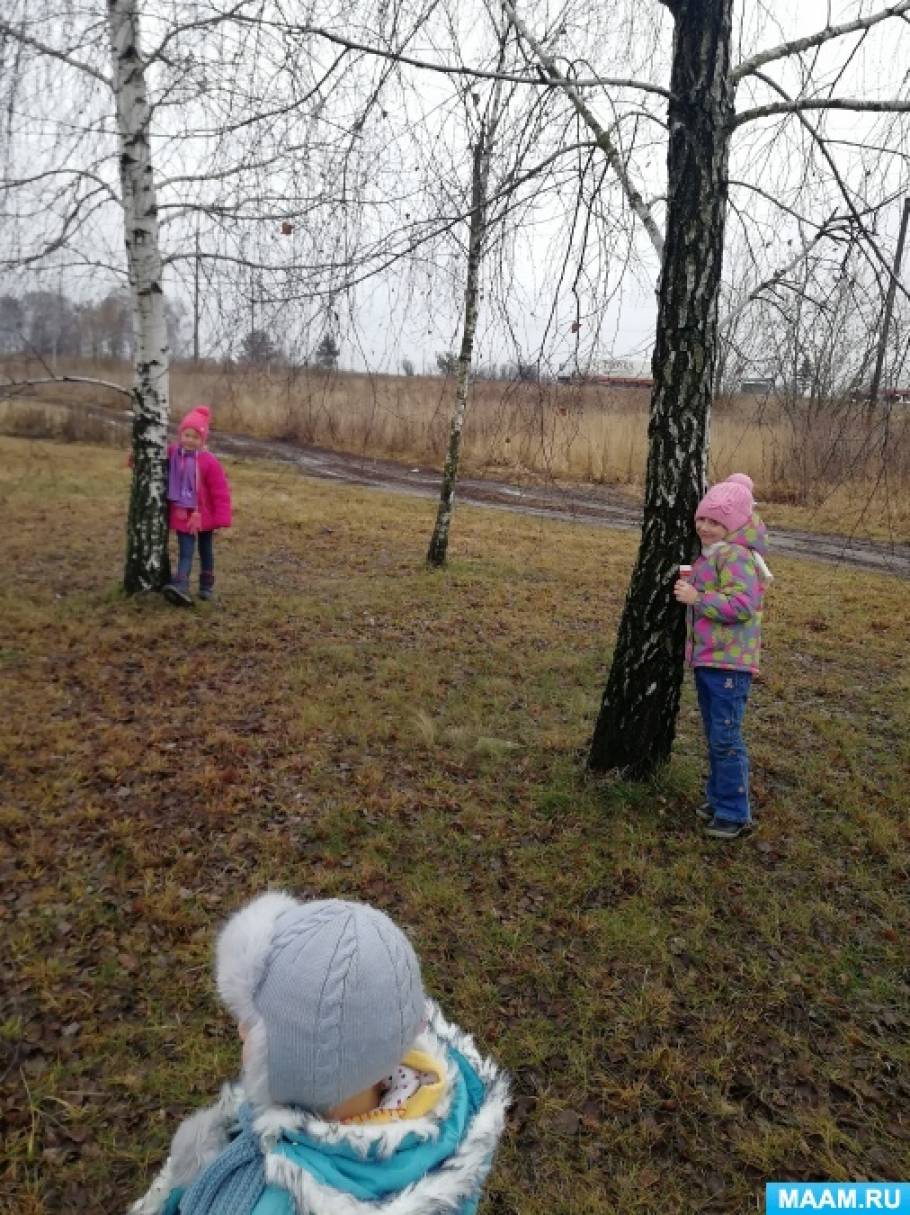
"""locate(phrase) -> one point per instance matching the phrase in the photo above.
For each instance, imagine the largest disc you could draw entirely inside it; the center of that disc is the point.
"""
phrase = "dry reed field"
(826, 465)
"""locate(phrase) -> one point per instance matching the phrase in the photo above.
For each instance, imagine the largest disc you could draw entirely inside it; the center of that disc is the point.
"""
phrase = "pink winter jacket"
(724, 625)
(213, 496)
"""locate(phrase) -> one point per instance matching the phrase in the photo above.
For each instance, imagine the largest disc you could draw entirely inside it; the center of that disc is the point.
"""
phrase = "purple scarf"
(181, 478)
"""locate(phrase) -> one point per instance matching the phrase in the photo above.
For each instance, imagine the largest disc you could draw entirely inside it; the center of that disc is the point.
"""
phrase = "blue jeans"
(186, 546)
(722, 697)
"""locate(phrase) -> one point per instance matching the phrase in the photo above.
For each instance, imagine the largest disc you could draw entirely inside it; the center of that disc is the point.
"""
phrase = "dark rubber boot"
(177, 592)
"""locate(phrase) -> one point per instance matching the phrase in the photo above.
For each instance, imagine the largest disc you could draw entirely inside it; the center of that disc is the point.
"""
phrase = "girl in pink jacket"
(199, 502)
(724, 600)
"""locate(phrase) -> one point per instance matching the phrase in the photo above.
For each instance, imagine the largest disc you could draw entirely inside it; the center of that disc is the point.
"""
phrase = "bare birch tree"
(32, 37)
(439, 541)
(635, 727)
(147, 565)
(636, 724)
(484, 146)
(240, 107)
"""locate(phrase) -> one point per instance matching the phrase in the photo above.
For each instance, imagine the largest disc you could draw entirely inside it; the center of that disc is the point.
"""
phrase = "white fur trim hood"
(201, 1137)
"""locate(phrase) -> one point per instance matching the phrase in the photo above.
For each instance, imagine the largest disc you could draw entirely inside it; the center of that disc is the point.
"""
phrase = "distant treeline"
(50, 324)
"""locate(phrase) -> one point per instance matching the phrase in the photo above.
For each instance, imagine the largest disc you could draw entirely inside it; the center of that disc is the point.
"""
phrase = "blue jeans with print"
(722, 697)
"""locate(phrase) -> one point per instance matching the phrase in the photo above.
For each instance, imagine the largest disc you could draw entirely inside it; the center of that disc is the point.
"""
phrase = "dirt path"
(591, 504)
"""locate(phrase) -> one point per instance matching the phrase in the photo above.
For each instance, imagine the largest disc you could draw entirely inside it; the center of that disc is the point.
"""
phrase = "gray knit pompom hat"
(329, 994)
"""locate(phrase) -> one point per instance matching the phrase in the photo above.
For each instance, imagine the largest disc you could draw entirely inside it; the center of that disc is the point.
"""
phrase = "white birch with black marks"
(146, 566)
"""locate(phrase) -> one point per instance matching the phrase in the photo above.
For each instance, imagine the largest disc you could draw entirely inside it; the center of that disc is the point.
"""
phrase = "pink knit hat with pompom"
(741, 479)
(728, 502)
(197, 419)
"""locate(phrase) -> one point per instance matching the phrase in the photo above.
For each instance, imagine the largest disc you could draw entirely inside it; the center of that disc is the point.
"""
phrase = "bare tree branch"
(727, 322)
(893, 106)
(388, 255)
(6, 384)
(604, 142)
(43, 48)
(749, 66)
(876, 254)
(449, 69)
(11, 183)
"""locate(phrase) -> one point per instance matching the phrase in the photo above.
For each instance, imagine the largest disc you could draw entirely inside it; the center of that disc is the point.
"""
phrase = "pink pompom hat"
(198, 418)
(740, 479)
(728, 502)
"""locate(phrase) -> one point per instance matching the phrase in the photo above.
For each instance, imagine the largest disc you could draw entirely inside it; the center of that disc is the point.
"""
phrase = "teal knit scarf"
(233, 1183)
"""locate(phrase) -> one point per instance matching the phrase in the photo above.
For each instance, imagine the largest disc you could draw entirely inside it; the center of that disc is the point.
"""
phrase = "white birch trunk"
(439, 542)
(146, 565)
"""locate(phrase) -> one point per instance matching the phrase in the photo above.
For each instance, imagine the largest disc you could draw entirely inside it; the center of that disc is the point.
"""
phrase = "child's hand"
(194, 523)
(684, 592)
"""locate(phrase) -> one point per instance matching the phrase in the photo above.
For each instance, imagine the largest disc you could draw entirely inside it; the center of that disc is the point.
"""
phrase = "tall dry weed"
(798, 450)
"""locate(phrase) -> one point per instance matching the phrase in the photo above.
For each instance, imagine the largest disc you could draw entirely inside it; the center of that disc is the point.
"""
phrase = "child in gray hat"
(355, 1095)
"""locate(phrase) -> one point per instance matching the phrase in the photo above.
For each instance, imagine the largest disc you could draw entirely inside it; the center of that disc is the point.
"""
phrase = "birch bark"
(637, 720)
(439, 542)
(146, 566)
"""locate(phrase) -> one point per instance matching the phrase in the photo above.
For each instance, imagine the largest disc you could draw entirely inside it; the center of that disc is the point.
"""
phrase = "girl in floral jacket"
(199, 502)
(724, 596)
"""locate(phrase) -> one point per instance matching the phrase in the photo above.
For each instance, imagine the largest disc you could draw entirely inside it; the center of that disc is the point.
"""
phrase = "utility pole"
(889, 305)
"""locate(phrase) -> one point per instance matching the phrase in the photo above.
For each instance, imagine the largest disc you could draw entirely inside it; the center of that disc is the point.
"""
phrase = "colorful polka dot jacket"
(724, 625)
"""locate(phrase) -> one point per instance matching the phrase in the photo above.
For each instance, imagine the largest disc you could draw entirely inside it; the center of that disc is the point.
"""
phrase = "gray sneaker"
(704, 812)
(725, 829)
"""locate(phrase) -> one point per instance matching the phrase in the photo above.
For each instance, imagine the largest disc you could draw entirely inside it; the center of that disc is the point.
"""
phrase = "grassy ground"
(683, 1019)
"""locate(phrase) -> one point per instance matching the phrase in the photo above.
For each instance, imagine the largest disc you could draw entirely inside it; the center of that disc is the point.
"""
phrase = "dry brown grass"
(824, 458)
(682, 1020)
